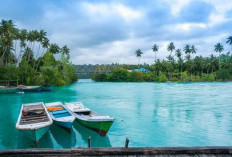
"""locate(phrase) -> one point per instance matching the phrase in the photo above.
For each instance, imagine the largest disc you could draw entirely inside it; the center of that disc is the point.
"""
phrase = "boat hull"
(36, 134)
(67, 125)
(47, 88)
(101, 127)
(36, 89)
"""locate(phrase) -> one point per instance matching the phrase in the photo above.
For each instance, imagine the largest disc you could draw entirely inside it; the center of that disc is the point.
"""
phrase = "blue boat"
(60, 114)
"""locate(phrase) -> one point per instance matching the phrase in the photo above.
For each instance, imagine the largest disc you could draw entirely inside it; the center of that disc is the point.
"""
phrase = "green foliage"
(162, 77)
(28, 67)
(119, 75)
(136, 76)
(223, 75)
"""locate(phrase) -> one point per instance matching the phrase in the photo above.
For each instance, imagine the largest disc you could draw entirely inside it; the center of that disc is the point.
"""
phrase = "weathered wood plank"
(159, 152)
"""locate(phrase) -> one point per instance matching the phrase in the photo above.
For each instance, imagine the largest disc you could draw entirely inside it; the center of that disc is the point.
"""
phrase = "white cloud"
(189, 26)
(177, 5)
(108, 10)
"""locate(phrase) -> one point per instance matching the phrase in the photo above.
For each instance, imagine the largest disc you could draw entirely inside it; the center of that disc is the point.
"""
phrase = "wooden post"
(126, 143)
(89, 142)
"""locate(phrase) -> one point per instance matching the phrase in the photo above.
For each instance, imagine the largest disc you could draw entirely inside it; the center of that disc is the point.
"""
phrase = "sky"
(110, 31)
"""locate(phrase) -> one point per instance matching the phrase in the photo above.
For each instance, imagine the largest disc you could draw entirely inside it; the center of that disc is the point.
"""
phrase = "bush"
(119, 75)
(208, 77)
(162, 77)
(136, 76)
(223, 75)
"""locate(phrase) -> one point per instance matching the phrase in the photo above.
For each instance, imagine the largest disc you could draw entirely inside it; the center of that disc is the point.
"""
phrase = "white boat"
(97, 122)
(60, 114)
(34, 120)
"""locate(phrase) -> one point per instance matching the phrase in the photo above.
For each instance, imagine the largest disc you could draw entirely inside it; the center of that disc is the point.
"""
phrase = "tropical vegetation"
(29, 57)
(184, 65)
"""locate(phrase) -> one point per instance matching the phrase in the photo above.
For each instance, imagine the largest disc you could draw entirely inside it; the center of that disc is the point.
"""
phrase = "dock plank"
(146, 151)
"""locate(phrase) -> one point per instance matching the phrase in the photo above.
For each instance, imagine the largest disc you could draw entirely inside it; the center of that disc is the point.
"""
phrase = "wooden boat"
(30, 88)
(47, 88)
(4, 90)
(34, 120)
(97, 122)
(61, 116)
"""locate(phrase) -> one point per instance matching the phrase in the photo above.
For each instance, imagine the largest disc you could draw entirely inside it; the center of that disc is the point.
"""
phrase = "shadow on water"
(24, 142)
(96, 139)
(65, 138)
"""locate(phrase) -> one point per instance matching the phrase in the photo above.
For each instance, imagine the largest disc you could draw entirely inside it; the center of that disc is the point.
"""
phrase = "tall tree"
(171, 47)
(180, 60)
(229, 40)
(7, 35)
(193, 50)
(218, 48)
(54, 49)
(155, 49)
(138, 54)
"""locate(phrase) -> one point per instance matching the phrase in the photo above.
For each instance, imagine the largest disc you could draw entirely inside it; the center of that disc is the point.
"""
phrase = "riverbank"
(123, 75)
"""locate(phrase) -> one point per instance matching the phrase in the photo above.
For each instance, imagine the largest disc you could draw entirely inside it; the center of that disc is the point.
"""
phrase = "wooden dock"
(146, 151)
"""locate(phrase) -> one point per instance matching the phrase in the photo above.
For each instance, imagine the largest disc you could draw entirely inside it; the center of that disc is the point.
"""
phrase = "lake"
(149, 114)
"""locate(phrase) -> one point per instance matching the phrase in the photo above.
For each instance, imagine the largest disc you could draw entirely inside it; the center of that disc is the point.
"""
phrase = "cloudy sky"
(109, 31)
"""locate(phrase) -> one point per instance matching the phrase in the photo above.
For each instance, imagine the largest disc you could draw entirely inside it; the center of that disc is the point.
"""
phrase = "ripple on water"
(149, 114)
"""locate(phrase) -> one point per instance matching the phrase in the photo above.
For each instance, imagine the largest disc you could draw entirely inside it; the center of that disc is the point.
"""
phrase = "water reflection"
(65, 138)
(25, 142)
(96, 139)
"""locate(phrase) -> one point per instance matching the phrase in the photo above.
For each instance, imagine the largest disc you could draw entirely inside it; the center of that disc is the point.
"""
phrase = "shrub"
(162, 77)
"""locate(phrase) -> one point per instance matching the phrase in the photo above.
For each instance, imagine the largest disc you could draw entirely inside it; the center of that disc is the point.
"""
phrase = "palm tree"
(180, 60)
(155, 49)
(193, 50)
(7, 35)
(65, 50)
(229, 40)
(171, 47)
(218, 48)
(40, 37)
(45, 45)
(187, 49)
(22, 37)
(138, 54)
(54, 48)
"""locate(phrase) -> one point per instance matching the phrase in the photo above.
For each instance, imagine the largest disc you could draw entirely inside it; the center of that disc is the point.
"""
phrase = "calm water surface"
(149, 114)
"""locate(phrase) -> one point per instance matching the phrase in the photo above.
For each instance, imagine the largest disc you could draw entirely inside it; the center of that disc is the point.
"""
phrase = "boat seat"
(59, 112)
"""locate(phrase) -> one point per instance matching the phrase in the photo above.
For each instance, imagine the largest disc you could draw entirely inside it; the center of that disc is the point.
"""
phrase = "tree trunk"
(36, 56)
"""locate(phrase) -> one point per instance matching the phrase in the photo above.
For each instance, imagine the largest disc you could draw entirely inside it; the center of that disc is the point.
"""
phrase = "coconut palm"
(45, 45)
(7, 35)
(54, 48)
(171, 47)
(187, 49)
(229, 40)
(155, 49)
(218, 48)
(138, 54)
(22, 37)
(65, 50)
(40, 37)
(193, 50)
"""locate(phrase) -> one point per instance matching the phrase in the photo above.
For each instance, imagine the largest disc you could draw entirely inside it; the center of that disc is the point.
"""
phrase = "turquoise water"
(149, 114)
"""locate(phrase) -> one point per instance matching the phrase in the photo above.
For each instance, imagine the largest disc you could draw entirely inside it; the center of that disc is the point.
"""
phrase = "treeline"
(28, 56)
(178, 66)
